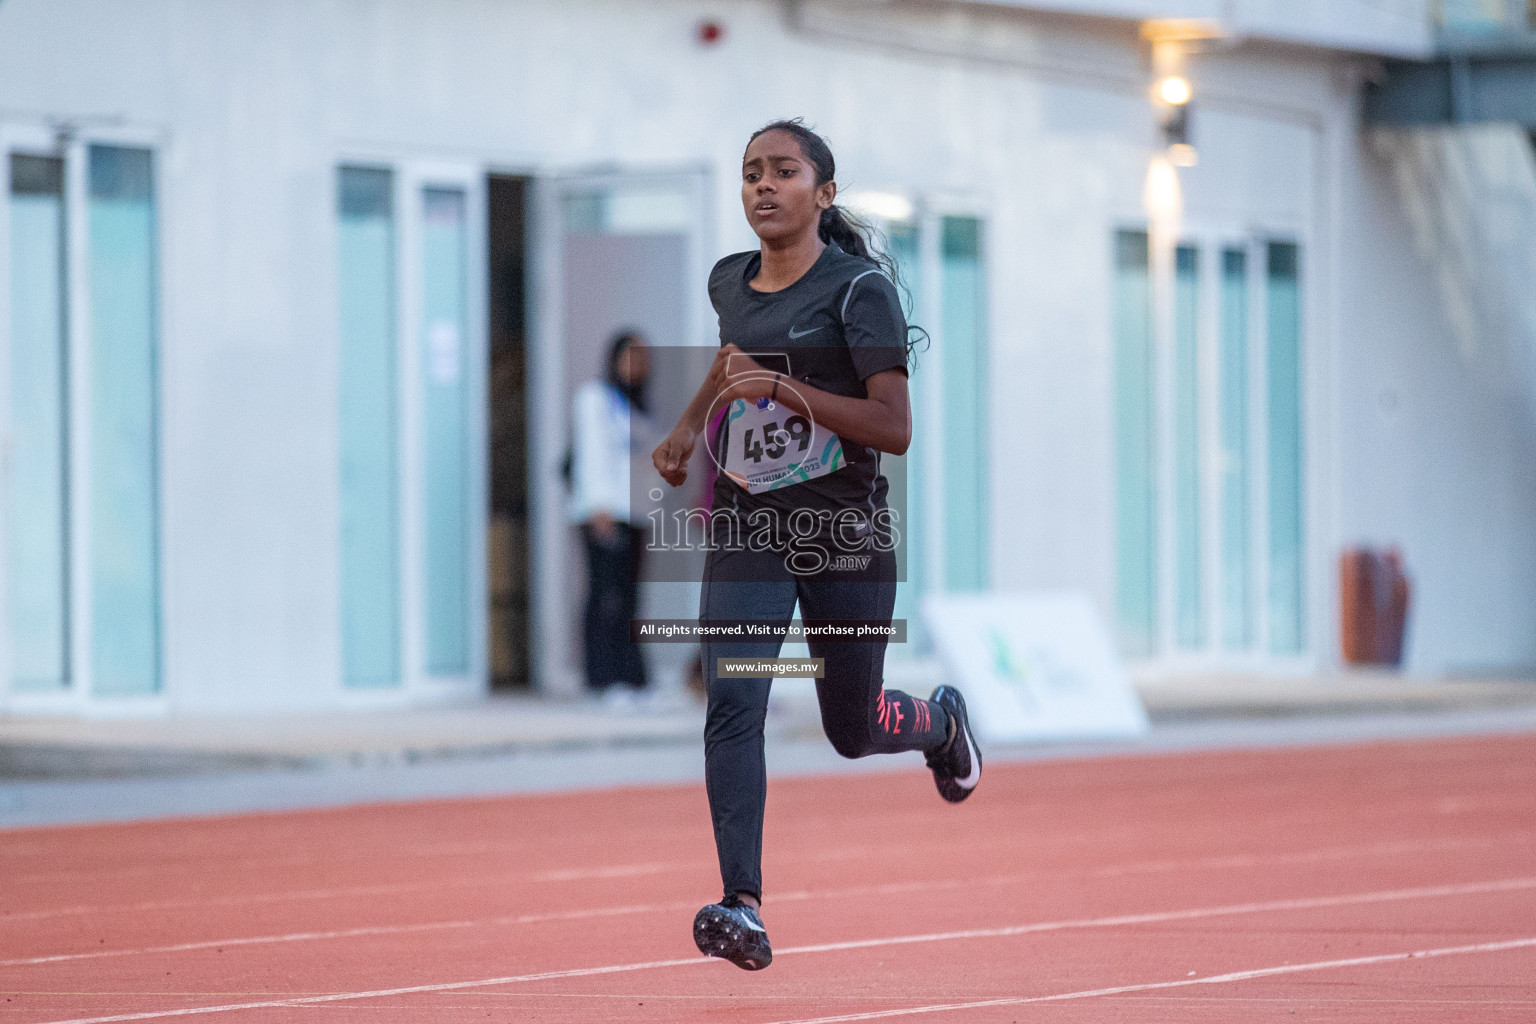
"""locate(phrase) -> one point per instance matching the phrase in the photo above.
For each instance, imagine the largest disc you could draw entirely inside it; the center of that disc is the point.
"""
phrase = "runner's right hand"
(671, 456)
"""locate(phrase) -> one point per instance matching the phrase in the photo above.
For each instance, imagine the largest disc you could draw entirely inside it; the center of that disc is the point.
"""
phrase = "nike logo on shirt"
(800, 334)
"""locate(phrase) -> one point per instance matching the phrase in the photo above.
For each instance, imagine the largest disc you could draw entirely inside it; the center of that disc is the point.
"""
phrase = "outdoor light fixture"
(1175, 90)
(1174, 122)
(1172, 97)
(1172, 93)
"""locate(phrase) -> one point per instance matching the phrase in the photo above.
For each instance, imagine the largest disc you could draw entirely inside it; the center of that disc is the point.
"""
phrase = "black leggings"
(613, 582)
(859, 716)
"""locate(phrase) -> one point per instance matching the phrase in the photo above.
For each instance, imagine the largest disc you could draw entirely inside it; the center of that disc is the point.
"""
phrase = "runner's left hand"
(737, 375)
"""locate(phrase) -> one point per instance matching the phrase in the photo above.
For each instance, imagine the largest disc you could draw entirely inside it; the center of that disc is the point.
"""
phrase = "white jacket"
(608, 435)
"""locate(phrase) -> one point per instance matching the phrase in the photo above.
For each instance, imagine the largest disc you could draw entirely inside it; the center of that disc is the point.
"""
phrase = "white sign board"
(1033, 666)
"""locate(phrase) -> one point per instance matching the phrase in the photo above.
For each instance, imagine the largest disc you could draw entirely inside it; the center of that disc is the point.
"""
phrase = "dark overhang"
(1474, 79)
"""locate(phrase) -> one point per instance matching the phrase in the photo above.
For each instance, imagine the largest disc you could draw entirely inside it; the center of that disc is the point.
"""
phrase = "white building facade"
(296, 292)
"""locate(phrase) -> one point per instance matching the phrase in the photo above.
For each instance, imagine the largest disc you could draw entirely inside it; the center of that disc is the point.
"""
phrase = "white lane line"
(306, 895)
(289, 896)
(898, 940)
(352, 933)
(333, 997)
(893, 888)
(620, 870)
(886, 889)
(1158, 917)
(614, 871)
(1152, 986)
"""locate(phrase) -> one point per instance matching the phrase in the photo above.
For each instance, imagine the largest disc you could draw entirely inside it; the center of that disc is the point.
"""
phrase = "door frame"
(72, 143)
(411, 173)
(551, 669)
(929, 574)
(412, 177)
(1211, 237)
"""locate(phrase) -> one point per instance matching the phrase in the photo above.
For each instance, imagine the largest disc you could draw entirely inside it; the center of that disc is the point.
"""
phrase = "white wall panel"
(255, 102)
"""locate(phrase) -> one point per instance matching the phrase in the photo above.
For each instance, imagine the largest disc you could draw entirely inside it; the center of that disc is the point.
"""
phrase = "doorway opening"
(506, 548)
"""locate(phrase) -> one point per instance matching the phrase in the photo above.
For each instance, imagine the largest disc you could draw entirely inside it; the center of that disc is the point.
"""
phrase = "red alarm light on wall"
(710, 32)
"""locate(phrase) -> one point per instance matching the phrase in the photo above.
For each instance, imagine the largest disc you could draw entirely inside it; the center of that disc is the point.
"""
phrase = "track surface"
(1292, 885)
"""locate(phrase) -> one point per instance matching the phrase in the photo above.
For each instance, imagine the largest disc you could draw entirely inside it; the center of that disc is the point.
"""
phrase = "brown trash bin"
(1373, 597)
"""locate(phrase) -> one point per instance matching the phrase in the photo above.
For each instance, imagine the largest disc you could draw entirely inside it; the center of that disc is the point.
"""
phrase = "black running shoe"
(732, 930)
(957, 764)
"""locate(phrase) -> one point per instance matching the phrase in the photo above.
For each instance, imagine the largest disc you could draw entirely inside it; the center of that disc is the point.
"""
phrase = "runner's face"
(778, 188)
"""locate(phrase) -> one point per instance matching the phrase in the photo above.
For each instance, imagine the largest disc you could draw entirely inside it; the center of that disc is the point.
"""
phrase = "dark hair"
(635, 393)
(852, 234)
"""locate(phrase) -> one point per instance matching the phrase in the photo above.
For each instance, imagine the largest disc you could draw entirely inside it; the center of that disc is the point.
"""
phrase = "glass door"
(37, 484)
(411, 424)
(81, 403)
(368, 425)
(941, 483)
(443, 372)
(123, 444)
(1210, 449)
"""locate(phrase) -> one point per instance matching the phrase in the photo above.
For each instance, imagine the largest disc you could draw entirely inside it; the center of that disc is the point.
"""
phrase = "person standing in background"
(609, 416)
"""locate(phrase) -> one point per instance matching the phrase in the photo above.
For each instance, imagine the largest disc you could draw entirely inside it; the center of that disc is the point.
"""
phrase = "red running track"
(1389, 882)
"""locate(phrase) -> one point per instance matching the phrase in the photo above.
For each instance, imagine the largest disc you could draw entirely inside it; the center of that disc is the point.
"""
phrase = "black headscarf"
(635, 394)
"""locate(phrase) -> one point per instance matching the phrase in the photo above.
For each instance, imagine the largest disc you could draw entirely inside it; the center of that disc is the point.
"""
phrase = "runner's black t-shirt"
(838, 325)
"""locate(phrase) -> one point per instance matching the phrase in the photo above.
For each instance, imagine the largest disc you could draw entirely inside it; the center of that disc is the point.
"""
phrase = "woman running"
(813, 368)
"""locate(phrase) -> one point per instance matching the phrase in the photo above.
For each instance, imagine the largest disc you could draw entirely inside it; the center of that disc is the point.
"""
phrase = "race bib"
(769, 446)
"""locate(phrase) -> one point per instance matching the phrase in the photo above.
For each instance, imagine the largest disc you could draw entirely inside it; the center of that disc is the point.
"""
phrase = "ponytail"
(858, 237)
(837, 225)
(852, 234)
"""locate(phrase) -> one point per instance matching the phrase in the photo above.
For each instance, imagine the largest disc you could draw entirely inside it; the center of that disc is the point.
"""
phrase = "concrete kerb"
(505, 727)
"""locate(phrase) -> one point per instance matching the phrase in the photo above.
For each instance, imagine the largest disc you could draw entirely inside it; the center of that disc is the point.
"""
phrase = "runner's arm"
(882, 421)
(671, 456)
